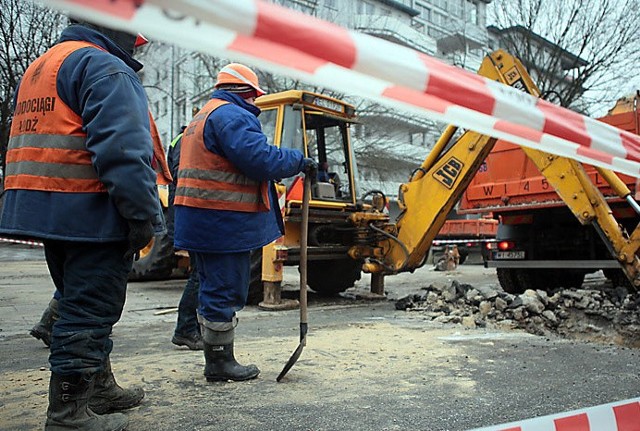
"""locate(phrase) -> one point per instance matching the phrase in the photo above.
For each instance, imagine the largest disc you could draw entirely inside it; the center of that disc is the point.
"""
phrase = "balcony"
(461, 39)
(390, 28)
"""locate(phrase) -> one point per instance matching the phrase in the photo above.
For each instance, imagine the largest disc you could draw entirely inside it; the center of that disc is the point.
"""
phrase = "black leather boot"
(42, 329)
(68, 408)
(220, 363)
(108, 396)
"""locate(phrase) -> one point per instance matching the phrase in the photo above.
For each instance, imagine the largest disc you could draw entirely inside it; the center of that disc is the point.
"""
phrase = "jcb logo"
(512, 75)
(448, 172)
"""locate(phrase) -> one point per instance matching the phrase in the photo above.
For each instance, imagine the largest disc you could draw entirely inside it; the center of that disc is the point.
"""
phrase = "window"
(165, 105)
(365, 8)
(425, 12)
(330, 4)
(435, 33)
(456, 7)
(305, 6)
(439, 19)
(473, 15)
(442, 4)
(268, 121)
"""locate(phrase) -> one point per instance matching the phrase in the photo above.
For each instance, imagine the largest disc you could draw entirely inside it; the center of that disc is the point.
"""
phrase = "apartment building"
(389, 143)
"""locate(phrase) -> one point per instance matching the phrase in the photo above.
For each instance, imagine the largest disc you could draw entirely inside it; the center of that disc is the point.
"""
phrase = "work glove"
(140, 233)
(311, 169)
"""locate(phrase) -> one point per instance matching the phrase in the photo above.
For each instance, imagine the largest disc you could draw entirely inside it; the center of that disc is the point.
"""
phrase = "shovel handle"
(304, 231)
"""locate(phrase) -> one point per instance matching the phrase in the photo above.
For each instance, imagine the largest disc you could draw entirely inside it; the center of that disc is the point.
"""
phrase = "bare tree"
(580, 53)
(26, 31)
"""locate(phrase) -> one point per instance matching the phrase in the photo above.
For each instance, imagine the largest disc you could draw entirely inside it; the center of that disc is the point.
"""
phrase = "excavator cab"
(318, 126)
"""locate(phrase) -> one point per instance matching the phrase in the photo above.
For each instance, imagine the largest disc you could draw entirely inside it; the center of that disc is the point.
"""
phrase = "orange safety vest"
(47, 148)
(207, 180)
(159, 162)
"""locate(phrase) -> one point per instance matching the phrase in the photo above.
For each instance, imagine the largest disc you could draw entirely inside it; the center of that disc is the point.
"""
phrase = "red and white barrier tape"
(463, 241)
(618, 416)
(22, 241)
(283, 41)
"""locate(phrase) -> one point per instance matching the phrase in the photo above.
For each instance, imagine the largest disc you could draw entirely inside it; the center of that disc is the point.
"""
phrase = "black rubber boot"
(108, 396)
(42, 329)
(220, 363)
(68, 408)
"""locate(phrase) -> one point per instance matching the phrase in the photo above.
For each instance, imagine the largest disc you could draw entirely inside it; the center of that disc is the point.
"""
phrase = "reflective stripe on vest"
(207, 180)
(47, 148)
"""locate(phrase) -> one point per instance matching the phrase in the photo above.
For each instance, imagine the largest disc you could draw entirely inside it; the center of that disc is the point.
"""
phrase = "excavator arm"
(435, 187)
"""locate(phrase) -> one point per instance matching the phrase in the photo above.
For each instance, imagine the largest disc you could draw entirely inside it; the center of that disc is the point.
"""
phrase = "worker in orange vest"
(80, 177)
(42, 329)
(226, 206)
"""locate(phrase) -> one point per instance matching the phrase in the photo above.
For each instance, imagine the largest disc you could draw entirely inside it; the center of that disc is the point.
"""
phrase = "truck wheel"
(464, 253)
(255, 285)
(509, 281)
(157, 260)
(329, 277)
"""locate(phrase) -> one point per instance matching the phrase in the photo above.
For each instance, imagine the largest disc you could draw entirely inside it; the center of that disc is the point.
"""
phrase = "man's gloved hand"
(311, 169)
(140, 233)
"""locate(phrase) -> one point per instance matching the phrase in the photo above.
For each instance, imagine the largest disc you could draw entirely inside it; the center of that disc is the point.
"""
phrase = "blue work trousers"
(224, 284)
(91, 279)
(188, 306)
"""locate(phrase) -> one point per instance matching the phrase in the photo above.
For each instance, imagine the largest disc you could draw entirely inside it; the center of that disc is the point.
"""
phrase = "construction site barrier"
(23, 241)
(618, 416)
(291, 43)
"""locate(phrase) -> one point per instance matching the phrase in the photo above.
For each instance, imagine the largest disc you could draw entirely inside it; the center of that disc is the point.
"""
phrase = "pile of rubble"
(609, 315)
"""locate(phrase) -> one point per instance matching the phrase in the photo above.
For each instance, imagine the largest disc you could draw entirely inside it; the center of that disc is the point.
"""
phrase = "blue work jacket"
(101, 86)
(234, 132)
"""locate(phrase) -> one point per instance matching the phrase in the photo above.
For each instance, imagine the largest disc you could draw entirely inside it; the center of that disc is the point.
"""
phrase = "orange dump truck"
(472, 236)
(539, 241)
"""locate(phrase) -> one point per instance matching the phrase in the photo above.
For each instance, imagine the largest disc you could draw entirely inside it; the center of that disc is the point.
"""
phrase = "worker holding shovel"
(226, 206)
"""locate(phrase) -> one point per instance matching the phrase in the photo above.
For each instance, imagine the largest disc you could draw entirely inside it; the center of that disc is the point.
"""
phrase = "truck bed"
(477, 228)
(509, 181)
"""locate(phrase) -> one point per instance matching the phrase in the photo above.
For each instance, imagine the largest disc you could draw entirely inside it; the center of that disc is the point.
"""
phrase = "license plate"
(509, 255)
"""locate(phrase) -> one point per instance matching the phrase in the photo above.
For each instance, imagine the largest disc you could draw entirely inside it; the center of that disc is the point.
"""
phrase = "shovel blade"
(296, 354)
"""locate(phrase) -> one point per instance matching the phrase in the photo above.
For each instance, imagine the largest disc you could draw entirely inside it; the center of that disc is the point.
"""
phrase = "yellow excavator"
(350, 233)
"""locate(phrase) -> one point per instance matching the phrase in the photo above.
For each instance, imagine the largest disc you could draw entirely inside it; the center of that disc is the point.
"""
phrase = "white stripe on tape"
(22, 241)
(463, 241)
(260, 34)
(617, 416)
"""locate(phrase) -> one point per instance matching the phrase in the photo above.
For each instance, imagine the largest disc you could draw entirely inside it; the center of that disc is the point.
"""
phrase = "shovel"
(304, 228)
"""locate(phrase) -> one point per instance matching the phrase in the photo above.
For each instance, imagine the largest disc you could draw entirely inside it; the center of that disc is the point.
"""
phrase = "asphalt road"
(366, 366)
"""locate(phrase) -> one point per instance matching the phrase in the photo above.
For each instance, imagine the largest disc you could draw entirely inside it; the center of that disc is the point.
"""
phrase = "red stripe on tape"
(594, 154)
(569, 125)
(628, 416)
(578, 422)
(512, 429)
(519, 130)
(276, 53)
(629, 142)
(444, 81)
(416, 98)
(120, 8)
(306, 34)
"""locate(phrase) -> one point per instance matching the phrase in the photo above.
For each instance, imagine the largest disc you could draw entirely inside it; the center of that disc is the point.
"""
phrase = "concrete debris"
(608, 315)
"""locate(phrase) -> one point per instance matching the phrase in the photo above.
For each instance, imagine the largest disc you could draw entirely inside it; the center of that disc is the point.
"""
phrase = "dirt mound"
(606, 315)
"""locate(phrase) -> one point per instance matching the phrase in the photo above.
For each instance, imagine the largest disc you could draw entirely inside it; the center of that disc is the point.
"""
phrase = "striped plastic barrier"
(22, 241)
(618, 416)
(283, 41)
